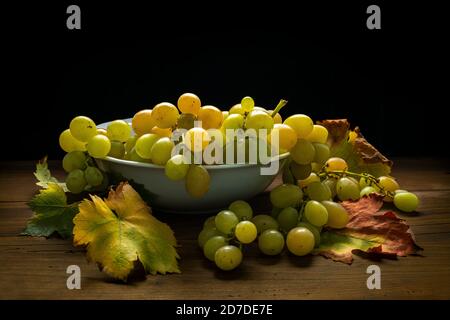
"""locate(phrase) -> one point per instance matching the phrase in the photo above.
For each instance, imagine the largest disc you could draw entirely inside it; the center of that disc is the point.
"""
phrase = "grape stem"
(280, 105)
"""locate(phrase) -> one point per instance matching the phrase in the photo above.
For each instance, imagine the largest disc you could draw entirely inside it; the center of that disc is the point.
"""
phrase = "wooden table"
(35, 268)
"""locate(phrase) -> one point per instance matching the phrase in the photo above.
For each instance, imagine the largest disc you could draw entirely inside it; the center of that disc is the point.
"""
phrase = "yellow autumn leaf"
(120, 230)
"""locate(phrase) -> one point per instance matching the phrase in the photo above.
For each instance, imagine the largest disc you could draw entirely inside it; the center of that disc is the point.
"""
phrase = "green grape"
(68, 143)
(400, 191)
(209, 222)
(301, 123)
(131, 142)
(318, 191)
(98, 146)
(271, 242)
(300, 171)
(264, 222)
(337, 215)
(206, 234)
(389, 184)
(197, 181)
(246, 232)
(186, 121)
(117, 150)
(316, 213)
(236, 109)
(318, 134)
(212, 245)
(288, 218)
(347, 189)
(364, 182)
(331, 183)
(315, 231)
(161, 151)
(233, 121)
(74, 160)
(226, 221)
(118, 130)
(176, 168)
(228, 257)
(367, 190)
(75, 181)
(406, 201)
(287, 175)
(241, 209)
(82, 128)
(259, 120)
(144, 144)
(286, 195)
(303, 152)
(316, 167)
(93, 176)
(305, 182)
(300, 241)
(133, 156)
(275, 212)
(247, 104)
(322, 153)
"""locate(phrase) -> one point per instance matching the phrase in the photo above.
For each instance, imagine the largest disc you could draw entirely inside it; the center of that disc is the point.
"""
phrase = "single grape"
(388, 184)
(264, 222)
(75, 181)
(286, 195)
(302, 124)
(300, 241)
(322, 153)
(367, 190)
(176, 168)
(277, 118)
(241, 209)
(162, 132)
(287, 137)
(311, 178)
(197, 181)
(365, 182)
(189, 103)
(271, 242)
(406, 201)
(186, 121)
(98, 146)
(245, 232)
(316, 213)
(206, 234)
(300, 171)
(319, 134)
(133, 156)
(74, 160)
(117, 150)
(288, 218)
(161, 151)
(211, 117)
(197, 139)
(225, 221)
(119, 130)
(259, 120)
(93, 176)
(337, 215)
(336, 164)
(144, 145)
(233, 121)
(303, 152)
(82, 128)
(209, 222)
(247, 104)
(228, 257)
(331, 183)
(212, 245)
(143, 122)
(131, 142)
(318, 191)
(315, 231)
(400, 191)
(68, 143)
(347, 189)
(165, 115)
(237, 109)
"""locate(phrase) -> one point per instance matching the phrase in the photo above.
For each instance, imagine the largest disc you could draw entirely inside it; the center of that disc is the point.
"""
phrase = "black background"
(130, 56)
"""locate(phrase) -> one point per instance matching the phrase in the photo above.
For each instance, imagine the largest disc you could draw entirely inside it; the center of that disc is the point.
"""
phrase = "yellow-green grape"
(176, 168)
(131, 142)
(316, 167)
(82, 128)
(388, 184)
(189, 103)
(303, 152)
(259, 120)
(144, 144)
(225, 221)
(245, 232)
(186, 121)
(247, 104)
(98, 146)
(275, 212)
(331, 183)
(277, 118)
(300, 171)
(319, 134)
(197, 181)
(75, 181)
(367, 190)
(400, 191)
(143, 122)
(336, 164)
(287, 137)
(241, 209)
(133, 156)
(305, 182)
(209, 222)
(228, 257)
(102, 131)
(161, 151)
(165, 115)
(237, 108)
(322, 153)
(74, 160)
(271, 242)
(196, 139)
(162, 132)
(300, 241)
(314, 230)
(225, 114)
(206, 234)
(302, 124)
(211, 117)
(233, 121)
(318, 191)
(93, 176)
(286, 195)
(316, 213)
(264, 222)
(212, 245)
(337, 215)
(68, 143)
(117, 150)
(287, 218)
(119, 130)
(347, 189)
(406, 201)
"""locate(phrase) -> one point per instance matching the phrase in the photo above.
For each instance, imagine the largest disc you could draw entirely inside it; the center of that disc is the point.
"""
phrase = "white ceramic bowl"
(228, 183)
